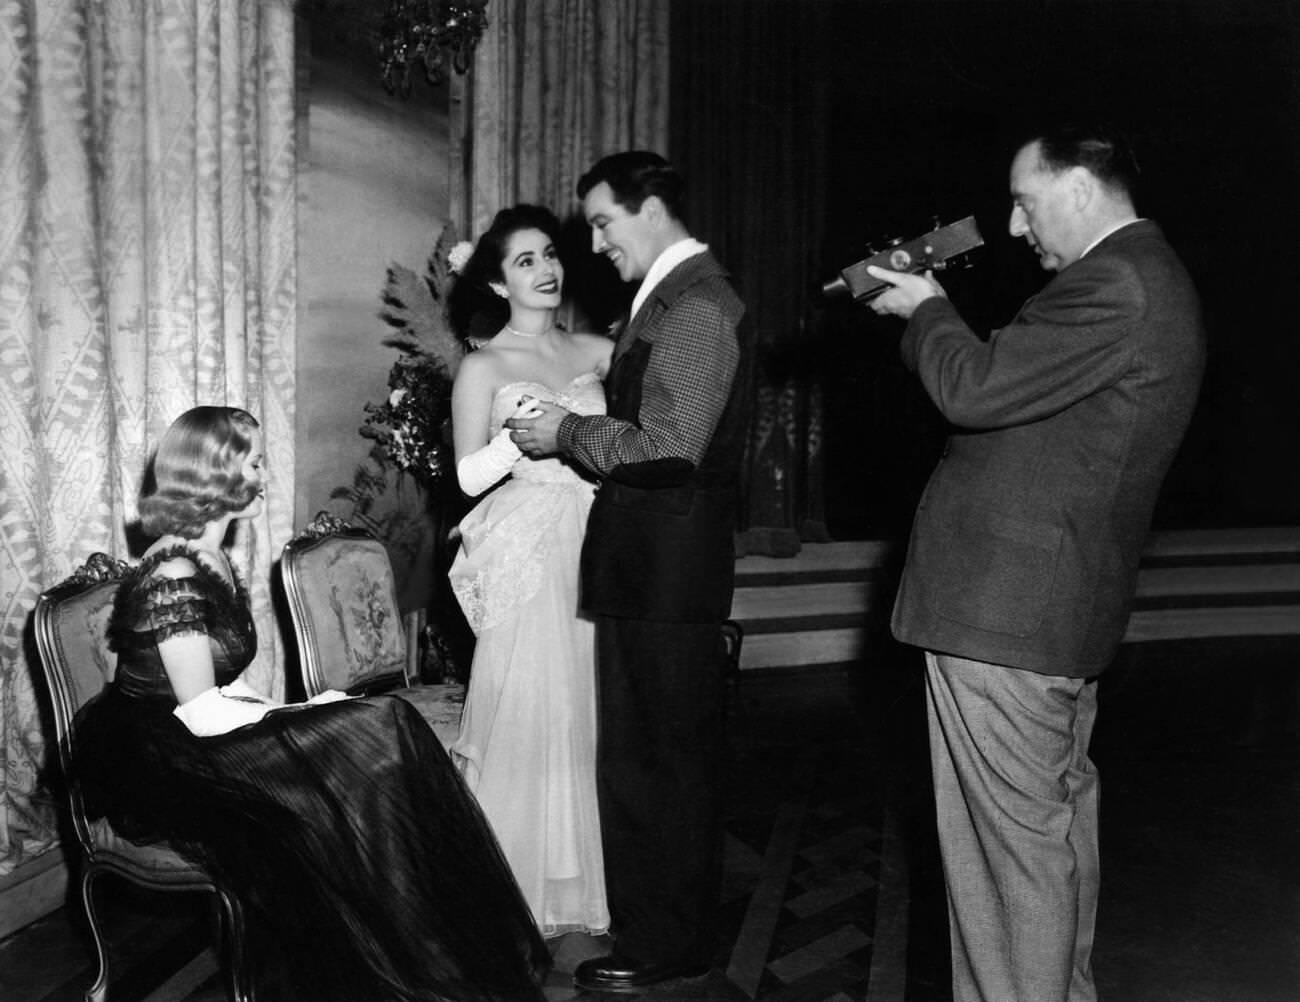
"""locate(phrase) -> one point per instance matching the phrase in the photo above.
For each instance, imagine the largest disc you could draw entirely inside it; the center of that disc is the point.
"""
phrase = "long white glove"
(211, 713)
(484, 467)
(328, 696)
(239, 689)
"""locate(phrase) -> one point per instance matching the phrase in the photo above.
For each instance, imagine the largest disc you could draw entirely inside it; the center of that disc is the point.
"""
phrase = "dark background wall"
(922, 104)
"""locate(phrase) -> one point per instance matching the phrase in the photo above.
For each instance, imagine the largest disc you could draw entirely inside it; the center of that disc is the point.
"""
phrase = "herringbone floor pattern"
(804, 909)
(802, 858)
(801, 874)
(832, 891)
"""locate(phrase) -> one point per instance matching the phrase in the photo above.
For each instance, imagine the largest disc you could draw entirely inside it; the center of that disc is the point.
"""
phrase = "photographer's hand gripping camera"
(943, 247)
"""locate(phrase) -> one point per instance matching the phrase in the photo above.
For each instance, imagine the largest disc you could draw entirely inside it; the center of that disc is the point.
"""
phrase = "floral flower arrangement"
(408, 426)
(411, 427)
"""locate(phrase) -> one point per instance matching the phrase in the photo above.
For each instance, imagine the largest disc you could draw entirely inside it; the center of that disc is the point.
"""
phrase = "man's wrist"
(929, 301)
(565, 432)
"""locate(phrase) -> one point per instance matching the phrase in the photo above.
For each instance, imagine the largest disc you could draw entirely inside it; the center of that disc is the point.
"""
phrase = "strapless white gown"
(527, 745)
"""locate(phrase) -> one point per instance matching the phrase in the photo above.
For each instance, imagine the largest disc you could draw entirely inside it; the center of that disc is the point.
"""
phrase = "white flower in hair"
(459, 256)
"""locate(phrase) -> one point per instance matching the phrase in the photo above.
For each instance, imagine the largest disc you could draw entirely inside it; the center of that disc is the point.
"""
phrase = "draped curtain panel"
(555, 85)
(750, 96)
(147, 264)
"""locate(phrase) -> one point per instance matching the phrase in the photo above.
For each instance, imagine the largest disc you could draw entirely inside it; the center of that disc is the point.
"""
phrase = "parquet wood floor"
(832, 891)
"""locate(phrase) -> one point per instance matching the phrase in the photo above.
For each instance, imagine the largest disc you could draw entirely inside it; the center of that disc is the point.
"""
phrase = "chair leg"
(98, 991)
(240, 981)
(733, 636)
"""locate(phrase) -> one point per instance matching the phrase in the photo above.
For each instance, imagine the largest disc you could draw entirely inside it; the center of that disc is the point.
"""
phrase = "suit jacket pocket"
(996, 573)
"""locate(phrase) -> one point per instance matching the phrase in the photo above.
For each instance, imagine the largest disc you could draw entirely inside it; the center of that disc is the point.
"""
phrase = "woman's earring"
(499, 289)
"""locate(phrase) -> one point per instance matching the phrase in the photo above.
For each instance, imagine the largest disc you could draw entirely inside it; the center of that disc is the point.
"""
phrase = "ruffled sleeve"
(158, 609)
(151, 608)
(176, 608)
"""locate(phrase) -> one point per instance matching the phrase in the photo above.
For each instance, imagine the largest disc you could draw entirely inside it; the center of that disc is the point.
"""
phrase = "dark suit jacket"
(1025, 545)
(660, 538)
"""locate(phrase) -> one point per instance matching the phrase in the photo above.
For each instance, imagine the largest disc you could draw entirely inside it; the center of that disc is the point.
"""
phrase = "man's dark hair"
(1101, 149)
(636, 175)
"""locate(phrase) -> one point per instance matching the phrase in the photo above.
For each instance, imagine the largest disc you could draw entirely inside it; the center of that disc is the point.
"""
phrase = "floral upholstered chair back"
(343, 602)
(71, 627)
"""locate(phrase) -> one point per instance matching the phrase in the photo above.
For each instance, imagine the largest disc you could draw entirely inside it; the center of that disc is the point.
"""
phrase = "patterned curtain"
(147, 264)
(555, 85)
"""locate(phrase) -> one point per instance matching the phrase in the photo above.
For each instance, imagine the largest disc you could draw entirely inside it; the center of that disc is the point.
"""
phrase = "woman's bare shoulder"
(595, 349)
(587, 338)
(481, 365)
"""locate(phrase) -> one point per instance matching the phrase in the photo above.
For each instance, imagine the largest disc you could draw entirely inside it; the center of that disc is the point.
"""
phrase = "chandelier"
(428, 35)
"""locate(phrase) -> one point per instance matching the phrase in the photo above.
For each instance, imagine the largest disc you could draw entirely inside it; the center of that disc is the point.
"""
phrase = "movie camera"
(944, 247)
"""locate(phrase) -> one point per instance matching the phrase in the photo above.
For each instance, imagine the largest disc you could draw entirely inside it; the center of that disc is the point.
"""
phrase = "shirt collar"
(670, 258)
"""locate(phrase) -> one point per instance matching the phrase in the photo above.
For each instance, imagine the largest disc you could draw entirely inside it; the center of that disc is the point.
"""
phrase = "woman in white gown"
(527, 744)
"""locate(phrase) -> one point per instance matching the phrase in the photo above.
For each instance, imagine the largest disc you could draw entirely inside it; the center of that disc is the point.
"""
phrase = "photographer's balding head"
(1070, 186)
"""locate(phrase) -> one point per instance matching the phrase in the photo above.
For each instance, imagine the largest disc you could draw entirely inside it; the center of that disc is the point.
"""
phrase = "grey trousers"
(1017, 801)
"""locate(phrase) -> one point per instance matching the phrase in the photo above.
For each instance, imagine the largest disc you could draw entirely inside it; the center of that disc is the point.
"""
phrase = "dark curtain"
(810, 130)
(748, 128)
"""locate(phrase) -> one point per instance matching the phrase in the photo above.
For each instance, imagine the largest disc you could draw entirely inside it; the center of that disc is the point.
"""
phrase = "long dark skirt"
(366, 867)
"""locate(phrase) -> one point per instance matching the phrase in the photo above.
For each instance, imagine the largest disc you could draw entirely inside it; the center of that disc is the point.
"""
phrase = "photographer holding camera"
(1024, 553)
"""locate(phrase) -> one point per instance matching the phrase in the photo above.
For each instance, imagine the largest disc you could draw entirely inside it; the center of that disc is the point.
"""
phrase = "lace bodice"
(151, 608)
(583, 395)
(534, 519)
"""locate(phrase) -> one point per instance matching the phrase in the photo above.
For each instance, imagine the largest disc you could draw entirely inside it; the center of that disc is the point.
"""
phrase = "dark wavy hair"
(1100, 148)
(635, 175)
(196, 474)
(475, 310)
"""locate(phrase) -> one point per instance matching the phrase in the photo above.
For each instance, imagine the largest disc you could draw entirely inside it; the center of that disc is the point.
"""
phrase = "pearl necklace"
(529, 333)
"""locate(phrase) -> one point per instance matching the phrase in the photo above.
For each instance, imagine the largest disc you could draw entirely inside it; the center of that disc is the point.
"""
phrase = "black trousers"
(660, 766)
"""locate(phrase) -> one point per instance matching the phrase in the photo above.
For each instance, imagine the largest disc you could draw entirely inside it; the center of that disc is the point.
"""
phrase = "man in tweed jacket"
(658, 566)
(1023, 560)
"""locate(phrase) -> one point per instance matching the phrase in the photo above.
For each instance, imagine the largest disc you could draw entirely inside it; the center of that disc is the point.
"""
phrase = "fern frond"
(417, 319)
(439, 268)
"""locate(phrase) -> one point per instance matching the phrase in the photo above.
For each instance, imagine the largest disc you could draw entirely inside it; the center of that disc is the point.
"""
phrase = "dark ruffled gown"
(367, 870)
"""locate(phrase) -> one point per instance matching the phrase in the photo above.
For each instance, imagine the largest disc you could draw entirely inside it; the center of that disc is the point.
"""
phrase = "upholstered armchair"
(349, 630)
(71, 626)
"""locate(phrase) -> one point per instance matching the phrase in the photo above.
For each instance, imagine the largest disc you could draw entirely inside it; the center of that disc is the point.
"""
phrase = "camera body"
(943, 247)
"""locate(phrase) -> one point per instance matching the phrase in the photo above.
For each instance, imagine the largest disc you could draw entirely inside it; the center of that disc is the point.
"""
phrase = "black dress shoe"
(617, 973)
